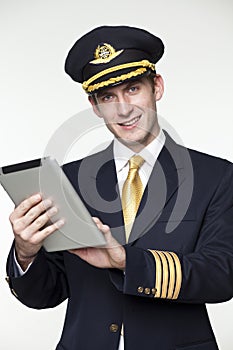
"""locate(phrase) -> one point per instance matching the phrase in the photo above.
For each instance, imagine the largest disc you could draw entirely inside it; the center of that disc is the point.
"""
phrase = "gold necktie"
(132, 193)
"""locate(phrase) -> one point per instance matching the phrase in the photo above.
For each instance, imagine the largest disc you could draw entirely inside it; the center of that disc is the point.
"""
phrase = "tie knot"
(136, 162)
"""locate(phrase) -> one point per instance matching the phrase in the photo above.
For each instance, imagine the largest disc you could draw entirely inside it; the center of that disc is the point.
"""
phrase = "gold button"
(14, 293)
(7, 279)
(114, 328)
(140, 289)
(153, 291)
(147, 291)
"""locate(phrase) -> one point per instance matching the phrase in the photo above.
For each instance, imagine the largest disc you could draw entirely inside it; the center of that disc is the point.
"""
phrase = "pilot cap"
(110, 55)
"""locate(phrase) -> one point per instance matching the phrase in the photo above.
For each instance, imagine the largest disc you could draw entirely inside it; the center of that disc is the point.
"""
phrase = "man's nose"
(124, 109)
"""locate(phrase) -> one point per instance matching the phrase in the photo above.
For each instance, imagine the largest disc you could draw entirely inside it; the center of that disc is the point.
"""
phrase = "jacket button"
(140, 289)
(7, 279)
(114, 328)
(153, 291)
(147, 291)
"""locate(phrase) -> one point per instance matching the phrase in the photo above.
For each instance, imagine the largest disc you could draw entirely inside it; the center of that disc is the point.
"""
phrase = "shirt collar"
(150, 153)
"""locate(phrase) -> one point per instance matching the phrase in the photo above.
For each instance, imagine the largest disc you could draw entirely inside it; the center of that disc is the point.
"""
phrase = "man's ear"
(159, 87)
(95, 106)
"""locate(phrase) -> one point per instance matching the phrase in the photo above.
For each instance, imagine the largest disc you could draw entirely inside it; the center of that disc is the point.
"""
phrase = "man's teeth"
(131, 122)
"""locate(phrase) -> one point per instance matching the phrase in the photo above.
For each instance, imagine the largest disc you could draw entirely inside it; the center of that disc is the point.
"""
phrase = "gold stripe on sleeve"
(165, 274)
(158, 273)
(178, 276)
(172, 275)
(168, 277)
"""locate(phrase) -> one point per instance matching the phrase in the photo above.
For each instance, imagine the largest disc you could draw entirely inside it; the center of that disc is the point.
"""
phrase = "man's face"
(129, 111)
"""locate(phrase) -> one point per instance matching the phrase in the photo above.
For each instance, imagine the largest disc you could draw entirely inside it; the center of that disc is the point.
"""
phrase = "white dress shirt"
(122, 154)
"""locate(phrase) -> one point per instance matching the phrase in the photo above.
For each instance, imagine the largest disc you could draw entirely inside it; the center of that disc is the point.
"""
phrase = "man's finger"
(24, 206)
(105, 229)
(40, 221)
(47, 231)
(37, 210)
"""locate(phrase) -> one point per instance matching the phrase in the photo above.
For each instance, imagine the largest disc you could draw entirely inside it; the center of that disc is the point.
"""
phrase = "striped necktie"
(132, 193)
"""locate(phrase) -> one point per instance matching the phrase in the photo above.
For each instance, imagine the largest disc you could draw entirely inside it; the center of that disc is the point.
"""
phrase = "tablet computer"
(45, 176)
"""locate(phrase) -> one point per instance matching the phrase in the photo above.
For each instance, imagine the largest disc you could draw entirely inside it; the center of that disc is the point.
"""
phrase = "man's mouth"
(130, 122)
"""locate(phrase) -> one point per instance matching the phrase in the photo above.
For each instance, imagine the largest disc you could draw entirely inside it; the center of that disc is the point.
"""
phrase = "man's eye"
(106, 98)
(133, 89)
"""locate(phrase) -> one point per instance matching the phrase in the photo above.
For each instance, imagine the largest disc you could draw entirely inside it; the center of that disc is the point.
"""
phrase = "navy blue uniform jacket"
(179, 257)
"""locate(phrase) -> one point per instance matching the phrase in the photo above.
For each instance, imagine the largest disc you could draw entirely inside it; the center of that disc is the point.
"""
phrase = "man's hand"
(28, 220)
(112, 255)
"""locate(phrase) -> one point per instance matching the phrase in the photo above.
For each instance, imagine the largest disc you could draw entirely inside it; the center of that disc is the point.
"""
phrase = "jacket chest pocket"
(206, 345)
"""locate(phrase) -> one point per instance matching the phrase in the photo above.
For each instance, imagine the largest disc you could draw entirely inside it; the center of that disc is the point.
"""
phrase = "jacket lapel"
(165, 179)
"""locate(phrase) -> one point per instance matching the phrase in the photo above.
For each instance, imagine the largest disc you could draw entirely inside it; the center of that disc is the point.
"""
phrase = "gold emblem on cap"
(104, 53)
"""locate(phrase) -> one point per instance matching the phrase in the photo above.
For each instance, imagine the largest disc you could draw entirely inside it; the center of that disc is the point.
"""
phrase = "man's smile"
(130, 123)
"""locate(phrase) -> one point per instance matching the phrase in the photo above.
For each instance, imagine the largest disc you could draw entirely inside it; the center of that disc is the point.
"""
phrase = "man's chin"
(133, 144)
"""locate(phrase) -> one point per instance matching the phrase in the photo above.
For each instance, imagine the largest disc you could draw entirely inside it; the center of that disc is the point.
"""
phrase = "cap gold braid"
(143, 65)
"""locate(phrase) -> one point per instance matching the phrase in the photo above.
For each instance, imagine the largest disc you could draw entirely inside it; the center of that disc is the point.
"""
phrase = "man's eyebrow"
(131, 83)
(103, 93)
(125, 87)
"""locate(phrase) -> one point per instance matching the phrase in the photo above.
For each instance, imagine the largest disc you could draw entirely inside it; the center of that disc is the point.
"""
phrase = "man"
(166, 214)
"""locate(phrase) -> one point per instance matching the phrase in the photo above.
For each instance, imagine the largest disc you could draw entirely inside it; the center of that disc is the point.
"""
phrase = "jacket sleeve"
(47, 273)
(204, 275)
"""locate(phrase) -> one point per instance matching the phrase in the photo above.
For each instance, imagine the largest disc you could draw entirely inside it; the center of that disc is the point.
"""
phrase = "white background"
(36, 97)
